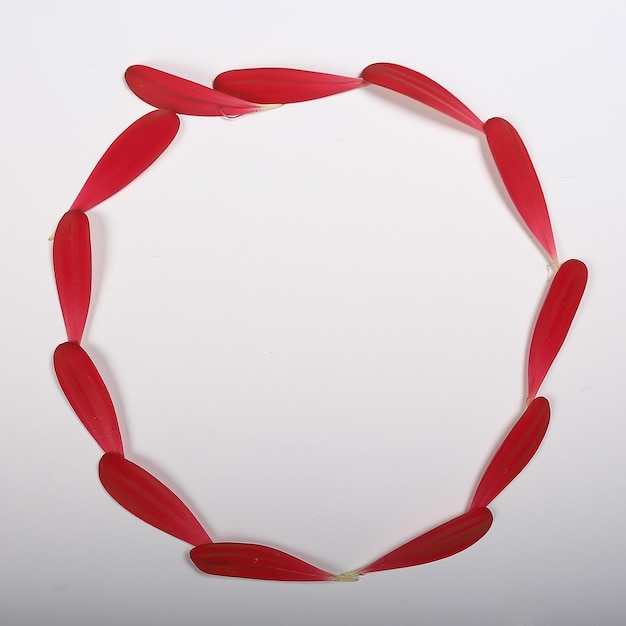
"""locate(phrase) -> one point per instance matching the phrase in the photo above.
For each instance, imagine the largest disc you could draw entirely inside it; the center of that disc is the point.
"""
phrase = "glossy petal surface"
(127, 157)
(282, 85)
(87, 394)
(421, 88)
(71, 255)
(439, 543)
(517, 449)
(183, 96)
(249, 560)
(554, 321)
(149, 499)
(521, 182)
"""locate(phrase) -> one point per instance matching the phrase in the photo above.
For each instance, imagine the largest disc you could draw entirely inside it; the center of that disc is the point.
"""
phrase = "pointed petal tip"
(349, 577)
(269, 107)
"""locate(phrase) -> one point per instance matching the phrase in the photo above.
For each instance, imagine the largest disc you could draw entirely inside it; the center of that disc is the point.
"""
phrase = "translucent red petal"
(71, 257)
(249, 560)
(517, 449)
(87, 394)
(554, 320)
(520, 179)
(166, 91)
(439, 543)
(283, 85)
(127, 157)
(147, 498)
(421, 88)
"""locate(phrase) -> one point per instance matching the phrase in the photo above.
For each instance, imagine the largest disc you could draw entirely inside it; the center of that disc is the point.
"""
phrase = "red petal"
(283, 85)
(439, 543)
(149, 499)
(249, 560)
(421, 88)
(88, 395)
(520, 179)
(183, 96)
(555, 318)
(71, 254)
(128, 156)
(514, 453)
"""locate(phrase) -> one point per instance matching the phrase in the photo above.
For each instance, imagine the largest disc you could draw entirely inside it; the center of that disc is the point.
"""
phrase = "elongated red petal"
(421, 88)
(514, 452)
(183, 96)
(283, 85)
(87, 394)
(554, 320)
(439, 543)
(71, 257)
(127, 157)
(250, 560)
(521, 182)
(149, 499)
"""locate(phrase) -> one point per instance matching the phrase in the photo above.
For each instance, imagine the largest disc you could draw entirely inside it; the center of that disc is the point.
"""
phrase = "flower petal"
(421, 88)
(514, 452)
(249, 560)
(283, 85)
(554, 320)
(439, 543)
(88, 395)
(167, 91)
(521, 182)
(71, 257)
(127, 157)
(149, 499)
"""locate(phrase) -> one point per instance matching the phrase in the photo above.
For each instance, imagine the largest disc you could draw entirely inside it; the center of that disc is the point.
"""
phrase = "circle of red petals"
(236, 93)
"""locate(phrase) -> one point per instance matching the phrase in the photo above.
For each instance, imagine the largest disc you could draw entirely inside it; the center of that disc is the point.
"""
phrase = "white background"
(314, 320)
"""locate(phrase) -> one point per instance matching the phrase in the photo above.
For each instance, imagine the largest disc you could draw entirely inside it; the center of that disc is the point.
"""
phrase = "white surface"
(314, 320)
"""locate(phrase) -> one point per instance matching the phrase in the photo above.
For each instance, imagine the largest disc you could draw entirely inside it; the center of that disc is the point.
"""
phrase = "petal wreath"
(134, 151)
